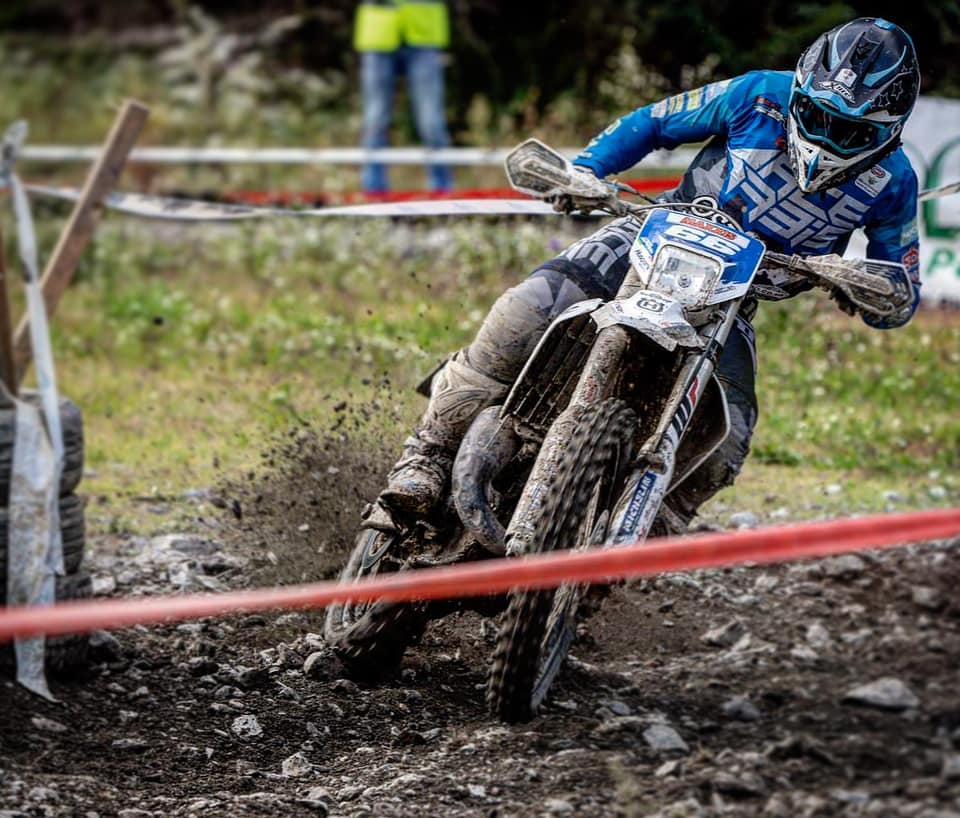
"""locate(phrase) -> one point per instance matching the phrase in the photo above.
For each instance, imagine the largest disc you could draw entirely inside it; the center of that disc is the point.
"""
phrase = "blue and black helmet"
(852, 93)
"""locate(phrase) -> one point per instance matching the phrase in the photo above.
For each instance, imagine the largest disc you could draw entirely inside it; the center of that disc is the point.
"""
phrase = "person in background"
(397, 37)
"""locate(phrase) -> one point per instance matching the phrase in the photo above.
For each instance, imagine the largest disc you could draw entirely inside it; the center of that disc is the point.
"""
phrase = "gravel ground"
(825, 688)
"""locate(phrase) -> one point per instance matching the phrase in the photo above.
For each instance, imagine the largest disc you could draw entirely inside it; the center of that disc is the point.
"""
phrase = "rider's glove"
(844, 304)
(564, 202)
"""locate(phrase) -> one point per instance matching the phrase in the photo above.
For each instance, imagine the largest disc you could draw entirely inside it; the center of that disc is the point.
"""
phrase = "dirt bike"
(616, 406)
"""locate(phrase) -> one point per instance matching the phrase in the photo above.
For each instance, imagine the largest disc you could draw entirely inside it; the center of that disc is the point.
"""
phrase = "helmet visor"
(843, 135)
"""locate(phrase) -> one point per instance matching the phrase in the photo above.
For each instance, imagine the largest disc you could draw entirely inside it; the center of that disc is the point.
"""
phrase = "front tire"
(539, 626)
(370, 638)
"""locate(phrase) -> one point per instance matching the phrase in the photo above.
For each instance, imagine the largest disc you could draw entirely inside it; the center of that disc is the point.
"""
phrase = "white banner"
(322, 156)
(932, 142)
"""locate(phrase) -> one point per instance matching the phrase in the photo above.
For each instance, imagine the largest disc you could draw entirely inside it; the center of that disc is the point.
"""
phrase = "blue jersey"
(746, 170)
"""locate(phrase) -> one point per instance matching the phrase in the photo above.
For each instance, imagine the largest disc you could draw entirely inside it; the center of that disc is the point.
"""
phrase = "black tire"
(538, 627)
(71, 420)
(73, 531)
(371, 638)
(65, 654)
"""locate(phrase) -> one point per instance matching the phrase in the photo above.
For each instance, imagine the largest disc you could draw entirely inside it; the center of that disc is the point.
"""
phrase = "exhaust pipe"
(487, 447)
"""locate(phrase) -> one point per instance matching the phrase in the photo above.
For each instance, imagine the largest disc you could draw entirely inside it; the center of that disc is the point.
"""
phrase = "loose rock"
(740, 708)
(743, 519)
(247, 726)
(49, 725)
(662, 738)
(887, 693)
(296, 765)
(723, 636)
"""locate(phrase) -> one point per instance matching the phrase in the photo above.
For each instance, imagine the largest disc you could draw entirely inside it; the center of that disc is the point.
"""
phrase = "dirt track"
(755, 711)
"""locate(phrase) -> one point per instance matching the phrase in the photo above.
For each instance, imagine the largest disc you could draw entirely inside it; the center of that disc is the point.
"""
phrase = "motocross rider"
(801, 159)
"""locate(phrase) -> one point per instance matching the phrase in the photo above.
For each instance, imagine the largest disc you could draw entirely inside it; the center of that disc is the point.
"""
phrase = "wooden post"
(83, 220)
(8, 372)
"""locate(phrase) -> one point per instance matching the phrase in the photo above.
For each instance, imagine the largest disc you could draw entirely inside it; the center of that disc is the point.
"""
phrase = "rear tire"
(72, 532)
(71, 420)
(370, 638)
(64, 654)
(538, 627)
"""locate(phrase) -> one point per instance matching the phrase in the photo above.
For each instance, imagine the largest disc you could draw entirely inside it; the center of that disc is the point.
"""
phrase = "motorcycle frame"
(650, 476)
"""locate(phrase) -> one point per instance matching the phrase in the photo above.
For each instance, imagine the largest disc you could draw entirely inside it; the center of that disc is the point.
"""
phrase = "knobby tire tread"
(72, 532)
(71, 421)
(372, 647)
(600, 435)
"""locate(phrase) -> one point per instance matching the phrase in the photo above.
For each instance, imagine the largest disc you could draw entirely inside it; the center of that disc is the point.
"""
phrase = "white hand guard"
(540, 171)
(880, 290)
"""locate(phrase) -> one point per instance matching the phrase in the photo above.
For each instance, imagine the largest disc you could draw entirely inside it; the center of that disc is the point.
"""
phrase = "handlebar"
(878, 287)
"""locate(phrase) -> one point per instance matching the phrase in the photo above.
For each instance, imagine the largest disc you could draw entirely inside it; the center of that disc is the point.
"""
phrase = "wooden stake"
(83, 220)
(8, 372)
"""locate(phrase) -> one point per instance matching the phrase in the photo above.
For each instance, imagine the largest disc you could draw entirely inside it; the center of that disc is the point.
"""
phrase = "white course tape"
(937, 192)
(322, 156)
(171, 208)
(189, 210)
(34, 545)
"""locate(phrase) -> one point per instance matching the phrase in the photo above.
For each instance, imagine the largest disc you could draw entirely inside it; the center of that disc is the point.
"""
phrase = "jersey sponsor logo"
(874, 180)
(688, 101)
(768, 107)
(911, 260)
(668, 106)
(714, 89)
(774, 204)
(910, 233)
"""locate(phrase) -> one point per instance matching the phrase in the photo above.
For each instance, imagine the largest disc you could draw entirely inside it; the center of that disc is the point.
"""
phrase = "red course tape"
(781, 543)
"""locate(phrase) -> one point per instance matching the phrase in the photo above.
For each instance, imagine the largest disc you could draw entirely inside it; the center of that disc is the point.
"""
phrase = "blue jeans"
(424, 71)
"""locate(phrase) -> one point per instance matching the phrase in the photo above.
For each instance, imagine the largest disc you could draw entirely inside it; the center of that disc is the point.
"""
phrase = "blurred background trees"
(285, 70)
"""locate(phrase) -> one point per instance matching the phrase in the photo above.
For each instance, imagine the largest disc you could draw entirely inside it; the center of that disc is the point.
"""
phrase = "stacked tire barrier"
(63, 652)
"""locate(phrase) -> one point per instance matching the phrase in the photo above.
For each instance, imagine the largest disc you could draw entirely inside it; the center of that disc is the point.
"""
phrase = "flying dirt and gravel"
(822, 688)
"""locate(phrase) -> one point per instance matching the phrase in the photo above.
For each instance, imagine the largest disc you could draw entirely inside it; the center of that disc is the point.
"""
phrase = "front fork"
(649, 482)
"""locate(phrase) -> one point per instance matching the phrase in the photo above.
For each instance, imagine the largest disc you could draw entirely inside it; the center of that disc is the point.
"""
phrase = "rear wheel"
(370, 638)
(64, 654)
(538, 627)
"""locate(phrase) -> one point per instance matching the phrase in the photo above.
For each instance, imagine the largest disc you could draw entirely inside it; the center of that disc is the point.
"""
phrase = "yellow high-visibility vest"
(385, 26)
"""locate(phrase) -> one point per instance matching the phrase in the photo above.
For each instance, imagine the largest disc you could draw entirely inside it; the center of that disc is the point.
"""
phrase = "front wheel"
(539, 626)
(370, 638)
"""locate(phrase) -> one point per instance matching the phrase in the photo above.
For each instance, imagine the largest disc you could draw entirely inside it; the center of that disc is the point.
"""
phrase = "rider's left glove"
(844, 304)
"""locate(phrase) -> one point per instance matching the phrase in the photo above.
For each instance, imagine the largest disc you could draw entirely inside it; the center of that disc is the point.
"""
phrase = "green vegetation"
(189, 348)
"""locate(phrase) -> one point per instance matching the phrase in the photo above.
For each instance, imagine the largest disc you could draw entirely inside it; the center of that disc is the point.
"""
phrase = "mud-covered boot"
(417, 480)
(457, 395)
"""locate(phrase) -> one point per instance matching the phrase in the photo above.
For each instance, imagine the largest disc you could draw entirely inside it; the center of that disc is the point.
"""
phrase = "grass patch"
(189, 347)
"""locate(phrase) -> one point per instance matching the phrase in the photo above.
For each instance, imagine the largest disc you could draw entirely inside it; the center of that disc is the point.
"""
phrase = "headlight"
(684, 274)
